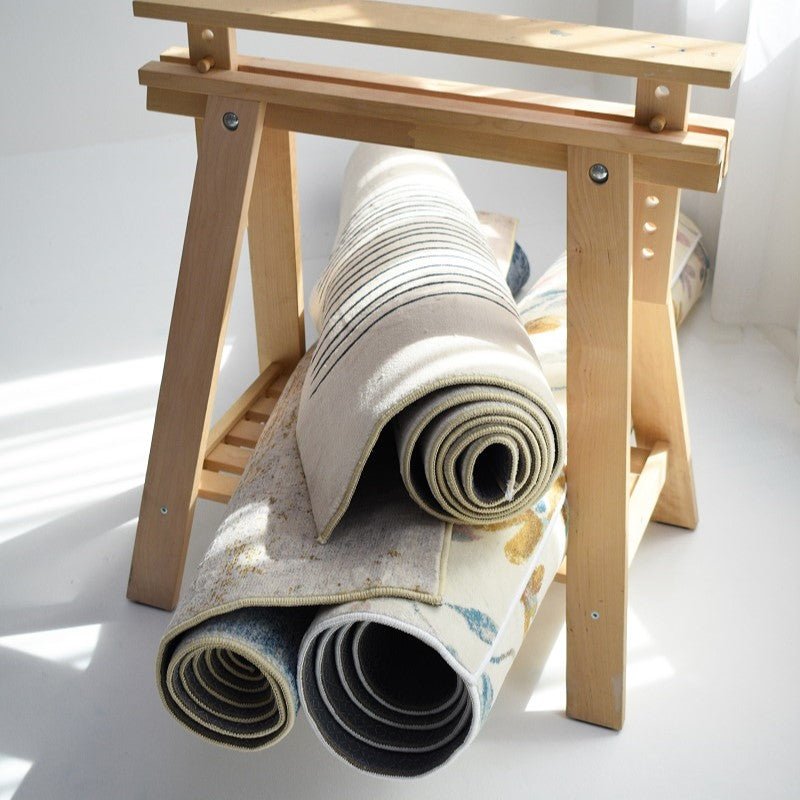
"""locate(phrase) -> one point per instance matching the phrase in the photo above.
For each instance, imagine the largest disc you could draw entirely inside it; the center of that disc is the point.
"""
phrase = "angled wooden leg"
(658, 408)
(217, 217)
(598, 429)
(276, 266)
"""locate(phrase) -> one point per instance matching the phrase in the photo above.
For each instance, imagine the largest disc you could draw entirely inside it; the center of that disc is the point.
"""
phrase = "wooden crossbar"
(528, 135)
(507, 38)
(194, 106)
(645, 481)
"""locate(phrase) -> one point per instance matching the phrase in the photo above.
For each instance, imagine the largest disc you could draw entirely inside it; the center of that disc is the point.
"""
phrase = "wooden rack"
(625, 168)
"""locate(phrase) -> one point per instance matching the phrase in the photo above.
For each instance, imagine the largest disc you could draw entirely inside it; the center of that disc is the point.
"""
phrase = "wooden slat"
(217, 486)
(556, 44)
(578, 106)
(277, 386)
(227, 458)
(276, 266)
(645, 495)
(261, 409)
(598, 426)
(658, 406)
(244, 433)
(495, 147)
(238, 409)
(214, 231)
(461, 118)
(652, 465)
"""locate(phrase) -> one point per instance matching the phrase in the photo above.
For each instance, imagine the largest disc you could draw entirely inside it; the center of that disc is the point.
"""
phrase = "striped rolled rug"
(421, 343)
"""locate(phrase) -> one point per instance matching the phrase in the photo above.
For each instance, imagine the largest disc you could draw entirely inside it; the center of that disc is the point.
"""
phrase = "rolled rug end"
(231, 678)
(397, 717)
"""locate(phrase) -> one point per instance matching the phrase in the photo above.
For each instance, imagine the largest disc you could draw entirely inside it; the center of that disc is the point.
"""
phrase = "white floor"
(714, 636)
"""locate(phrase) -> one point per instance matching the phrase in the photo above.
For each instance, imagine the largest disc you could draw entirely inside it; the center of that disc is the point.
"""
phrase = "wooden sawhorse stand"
(625, 168)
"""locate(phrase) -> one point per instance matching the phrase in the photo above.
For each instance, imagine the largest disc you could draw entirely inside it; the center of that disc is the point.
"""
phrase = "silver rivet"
(164, 509)
(230, 120)
(598, 173)
(595, 615)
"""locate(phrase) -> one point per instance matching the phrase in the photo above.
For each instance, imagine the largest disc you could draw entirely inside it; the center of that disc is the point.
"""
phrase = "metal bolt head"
(230, 120)
(164, 509)
(595, 615)
(598, 173)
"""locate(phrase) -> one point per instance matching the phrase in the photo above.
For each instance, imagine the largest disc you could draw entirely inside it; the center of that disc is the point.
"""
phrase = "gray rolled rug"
(399, 688)
(421, 341)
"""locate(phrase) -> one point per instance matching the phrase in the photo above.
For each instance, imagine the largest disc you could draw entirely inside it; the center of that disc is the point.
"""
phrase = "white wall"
(94, 189)
(108, 182)
(69, 68)
(70, 81)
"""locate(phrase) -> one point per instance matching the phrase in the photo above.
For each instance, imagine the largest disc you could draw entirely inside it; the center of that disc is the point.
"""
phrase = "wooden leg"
(659, 412)
(275, 263)
(220, 196)
(599, 279)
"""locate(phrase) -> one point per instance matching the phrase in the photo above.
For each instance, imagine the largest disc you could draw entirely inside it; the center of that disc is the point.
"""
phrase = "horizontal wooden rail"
(532, 41)
(462, 126)
(454, 90)
(645, 481)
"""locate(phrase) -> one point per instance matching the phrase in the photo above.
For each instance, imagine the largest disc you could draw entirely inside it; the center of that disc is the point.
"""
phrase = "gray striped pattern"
(421, 343)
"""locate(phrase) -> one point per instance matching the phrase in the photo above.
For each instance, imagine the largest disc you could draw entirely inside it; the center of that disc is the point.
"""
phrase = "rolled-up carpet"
(227, 662)
(421, 341)
(399, 688)
(396, 687)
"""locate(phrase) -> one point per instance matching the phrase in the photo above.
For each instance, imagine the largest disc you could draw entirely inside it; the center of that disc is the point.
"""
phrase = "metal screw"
(598, 173)
(230, 120)
(595, 615)
(164, 509)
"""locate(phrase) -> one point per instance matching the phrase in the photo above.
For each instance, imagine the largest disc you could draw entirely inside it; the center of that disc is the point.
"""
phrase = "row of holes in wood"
(651, 201)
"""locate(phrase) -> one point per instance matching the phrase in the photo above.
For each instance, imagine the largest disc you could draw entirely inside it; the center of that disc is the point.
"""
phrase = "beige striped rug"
(421, 349)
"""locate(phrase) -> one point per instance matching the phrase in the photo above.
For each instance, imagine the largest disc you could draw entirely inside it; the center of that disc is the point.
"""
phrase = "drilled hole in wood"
(651, 201)
(207, 35)
(647, 253)
(662, 92)
(650, 227)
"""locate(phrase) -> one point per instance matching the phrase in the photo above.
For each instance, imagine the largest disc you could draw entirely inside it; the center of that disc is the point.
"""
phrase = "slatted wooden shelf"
(233, 439)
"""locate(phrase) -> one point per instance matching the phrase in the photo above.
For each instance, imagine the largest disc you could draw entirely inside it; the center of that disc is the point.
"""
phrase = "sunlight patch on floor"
(47, 474)
(85, 383)
(644, 667)
(12, 773)
(71, 646)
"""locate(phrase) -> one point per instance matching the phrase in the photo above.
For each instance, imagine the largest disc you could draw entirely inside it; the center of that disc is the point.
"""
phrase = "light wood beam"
(220, 196)
(599, 290)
